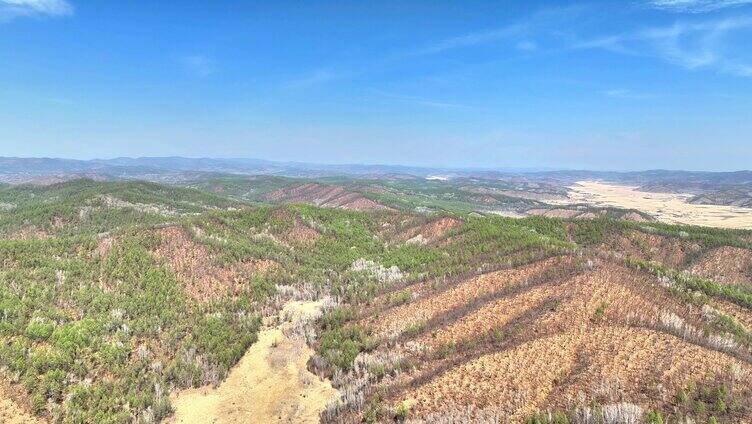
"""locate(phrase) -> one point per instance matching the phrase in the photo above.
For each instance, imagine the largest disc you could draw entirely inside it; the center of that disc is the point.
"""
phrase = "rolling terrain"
(620, 328)
(128, 301)
(695, 198)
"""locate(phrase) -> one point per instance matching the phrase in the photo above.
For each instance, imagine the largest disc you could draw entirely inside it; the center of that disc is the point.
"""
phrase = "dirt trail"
(270, 384)
(667, 207)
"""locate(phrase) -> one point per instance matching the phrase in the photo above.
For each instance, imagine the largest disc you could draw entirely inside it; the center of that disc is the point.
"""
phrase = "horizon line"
(522, 169)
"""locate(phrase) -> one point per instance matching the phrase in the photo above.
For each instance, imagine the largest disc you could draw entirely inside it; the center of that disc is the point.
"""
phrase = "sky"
(602, 85)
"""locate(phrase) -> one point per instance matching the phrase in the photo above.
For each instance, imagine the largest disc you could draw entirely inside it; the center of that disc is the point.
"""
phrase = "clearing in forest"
(271, 383)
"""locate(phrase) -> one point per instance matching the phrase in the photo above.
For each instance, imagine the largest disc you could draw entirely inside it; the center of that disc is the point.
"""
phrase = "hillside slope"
(115, 298)
(605, 331)
(324, 196)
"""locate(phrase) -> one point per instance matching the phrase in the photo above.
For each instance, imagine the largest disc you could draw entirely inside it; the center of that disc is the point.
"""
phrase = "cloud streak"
(692, 46)
(539, 23)
(472, 39)
(696, 6)
(626, 94)
(10, 9)
(317, 77)
(423, 102)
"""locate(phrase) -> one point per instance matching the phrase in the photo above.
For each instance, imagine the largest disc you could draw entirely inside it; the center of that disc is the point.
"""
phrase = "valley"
(375, 212)
(143, 302)
(665, 207)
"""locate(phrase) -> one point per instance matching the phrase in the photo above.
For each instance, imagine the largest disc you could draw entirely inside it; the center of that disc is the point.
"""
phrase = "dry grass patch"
(488, 318)
(666, 207)
(594, 337)
(608, 292)
(434, 304)
(556, 213)
(562, 371)
(516, 381)
(643, 367)
(742, 315)
(431, 231)
(198, 270)
(271, 383)
(325, 196)
(728, 265)
(29, 233)
(668, 251)
(12, 411)
(301, 233)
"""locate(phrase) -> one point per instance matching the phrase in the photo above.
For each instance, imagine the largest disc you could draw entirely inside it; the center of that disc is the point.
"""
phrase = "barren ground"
(270, 383)
(13, 413)
(666, 207)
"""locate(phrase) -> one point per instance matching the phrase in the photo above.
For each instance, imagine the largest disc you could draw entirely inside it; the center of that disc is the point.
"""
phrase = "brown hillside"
(562, 334)
(671, 252)
(325, 196)
(434, 304)
(197, 268)
(429, 232)
(730, 265)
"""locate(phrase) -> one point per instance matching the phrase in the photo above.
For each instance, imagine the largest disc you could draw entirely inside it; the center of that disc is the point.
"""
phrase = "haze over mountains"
(126, 166)
(385, 212)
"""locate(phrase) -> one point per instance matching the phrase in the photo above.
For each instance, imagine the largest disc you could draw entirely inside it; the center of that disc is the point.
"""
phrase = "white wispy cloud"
(693, 45)
(542, 21)
(696, 6)
(198, 65)
(10, 9)
(472, 39)
(316, 77)
(422, 101)
(624, 93)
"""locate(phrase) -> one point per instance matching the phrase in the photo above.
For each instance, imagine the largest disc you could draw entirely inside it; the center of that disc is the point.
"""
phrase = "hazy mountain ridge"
(719, 188)
(125, 165)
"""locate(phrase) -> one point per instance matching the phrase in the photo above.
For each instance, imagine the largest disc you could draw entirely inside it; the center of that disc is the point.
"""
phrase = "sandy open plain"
(665, 207)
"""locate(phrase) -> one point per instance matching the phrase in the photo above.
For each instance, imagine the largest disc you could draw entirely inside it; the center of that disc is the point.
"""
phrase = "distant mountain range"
(29, 169)
(125, 166)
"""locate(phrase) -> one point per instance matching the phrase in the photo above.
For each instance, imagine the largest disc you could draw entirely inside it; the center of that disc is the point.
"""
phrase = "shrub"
(340, 346)
(39, 329)
(497, 335)
(445, 350)
(217, 336)
(38, 403)
(374, 411)
(556, 417)
(400, 298)
(401, 412)
(720, 406)
(699, 407)
(653, 417)
(262, 289)
(337, 317)
(682, 397)
(600, 311)
(415, 328)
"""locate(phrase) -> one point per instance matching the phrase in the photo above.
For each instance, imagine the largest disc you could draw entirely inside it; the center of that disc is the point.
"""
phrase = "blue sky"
(600, 85)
